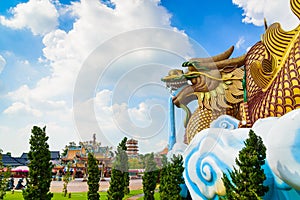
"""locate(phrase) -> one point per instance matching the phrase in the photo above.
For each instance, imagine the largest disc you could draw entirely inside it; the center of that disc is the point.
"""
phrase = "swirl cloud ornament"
(213, 151)
(209, 154)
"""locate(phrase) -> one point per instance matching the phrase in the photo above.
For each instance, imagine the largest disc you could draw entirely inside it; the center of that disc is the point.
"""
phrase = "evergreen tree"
(175, 170)
(142, 161)
(125, 165)
(164, 178)
(119, 182)
(116, 187)
(3, 178)
(65, 151)
(66, 180)
(40, 167)
(134, 163)
(93, 178)
(171, 179)
(150, 177)
(247, 181)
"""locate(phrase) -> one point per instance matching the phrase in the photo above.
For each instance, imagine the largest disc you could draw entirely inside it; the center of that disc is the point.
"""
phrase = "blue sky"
(48, 50)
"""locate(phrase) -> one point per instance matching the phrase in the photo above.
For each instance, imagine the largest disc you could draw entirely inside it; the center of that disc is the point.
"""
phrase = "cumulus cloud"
(21, 109)
(40, 16)
(66, 53)
(274, 11)
(112, 121)
(96, 23)
(140, 113)
(2, 63)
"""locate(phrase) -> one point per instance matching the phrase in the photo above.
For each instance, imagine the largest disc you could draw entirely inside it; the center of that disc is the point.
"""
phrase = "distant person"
(19, 185)
(10, 184)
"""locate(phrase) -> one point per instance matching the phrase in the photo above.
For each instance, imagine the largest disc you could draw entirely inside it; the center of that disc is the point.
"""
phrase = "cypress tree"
(66, 180)
(93, 178)
(40, 167)
(119, 181)
(171, 179)
(116, 187)
(150, 177)
(124, 161)
(175, 171)
(247, 181)
(164, 179)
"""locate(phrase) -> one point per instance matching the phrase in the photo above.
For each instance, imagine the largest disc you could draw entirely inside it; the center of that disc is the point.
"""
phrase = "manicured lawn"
(75, 196)
(156, 196)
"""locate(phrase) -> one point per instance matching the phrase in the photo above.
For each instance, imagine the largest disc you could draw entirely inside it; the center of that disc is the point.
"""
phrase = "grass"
(156, 196)
(74, 196)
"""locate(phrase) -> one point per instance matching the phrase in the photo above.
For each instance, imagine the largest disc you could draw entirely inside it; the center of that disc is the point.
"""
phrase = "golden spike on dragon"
(264, 82)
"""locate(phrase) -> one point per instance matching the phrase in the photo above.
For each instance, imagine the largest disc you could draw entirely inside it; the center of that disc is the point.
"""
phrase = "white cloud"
(140, 113)
(274, 11)
(156, 145)
(60, 135)
(17, 139)
(67, 52)
(95, 23)
(103, 98)
(114, 121)
(40, 16)
(2, 63)
(240, 42)
(14, 141)
(22, 92)
(22, 109)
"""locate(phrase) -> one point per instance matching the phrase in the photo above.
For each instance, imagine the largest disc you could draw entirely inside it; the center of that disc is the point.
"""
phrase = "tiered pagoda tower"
(132, 148)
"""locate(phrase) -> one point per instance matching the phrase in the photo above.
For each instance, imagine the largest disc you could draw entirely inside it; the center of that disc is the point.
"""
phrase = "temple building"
(132, 148)
(78, 156)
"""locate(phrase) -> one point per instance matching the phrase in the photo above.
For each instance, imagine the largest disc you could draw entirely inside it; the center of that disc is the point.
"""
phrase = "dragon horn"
(225, 55)
(232, 62)
(235, 62)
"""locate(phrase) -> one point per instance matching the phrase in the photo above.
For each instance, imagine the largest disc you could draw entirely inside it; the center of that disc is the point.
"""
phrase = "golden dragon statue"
(265, 82)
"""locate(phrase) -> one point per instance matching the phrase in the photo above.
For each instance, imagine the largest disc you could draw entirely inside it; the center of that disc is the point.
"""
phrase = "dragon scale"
(283, 94)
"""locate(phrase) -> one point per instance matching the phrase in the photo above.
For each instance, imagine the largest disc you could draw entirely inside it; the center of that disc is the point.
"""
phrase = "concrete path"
(135, 197)
(78, 185)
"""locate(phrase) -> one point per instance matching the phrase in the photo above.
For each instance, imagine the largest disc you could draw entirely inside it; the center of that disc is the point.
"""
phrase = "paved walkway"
(135, 197)
(78, 185)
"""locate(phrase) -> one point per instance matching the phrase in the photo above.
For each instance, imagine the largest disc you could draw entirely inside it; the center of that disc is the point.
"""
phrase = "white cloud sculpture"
(213, 151)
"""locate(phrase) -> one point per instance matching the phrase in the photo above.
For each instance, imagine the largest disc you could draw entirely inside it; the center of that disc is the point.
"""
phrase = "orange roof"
(164, 151)
(80, 165)
(73, 152)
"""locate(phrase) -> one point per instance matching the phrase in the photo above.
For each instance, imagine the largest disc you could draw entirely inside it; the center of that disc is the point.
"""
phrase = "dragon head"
(212, 81)
(175, 79)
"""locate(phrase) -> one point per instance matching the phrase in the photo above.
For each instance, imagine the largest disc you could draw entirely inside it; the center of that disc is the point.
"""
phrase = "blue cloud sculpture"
(213, 151)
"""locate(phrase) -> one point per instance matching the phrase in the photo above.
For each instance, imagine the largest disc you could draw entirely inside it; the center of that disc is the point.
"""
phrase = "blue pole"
(172, 133)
